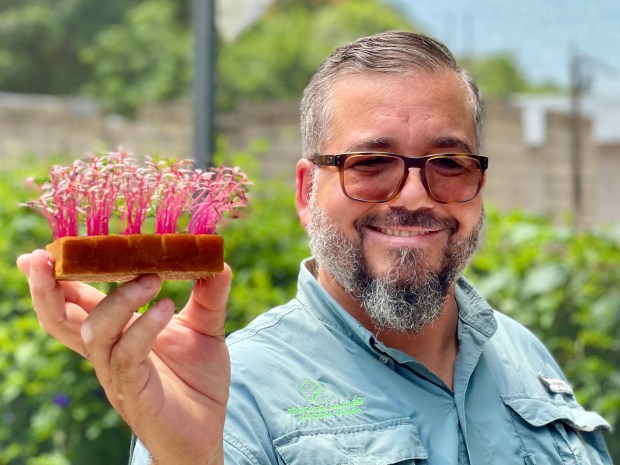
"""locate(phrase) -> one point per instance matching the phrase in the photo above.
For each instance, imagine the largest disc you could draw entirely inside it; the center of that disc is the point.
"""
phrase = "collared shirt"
(310, 385)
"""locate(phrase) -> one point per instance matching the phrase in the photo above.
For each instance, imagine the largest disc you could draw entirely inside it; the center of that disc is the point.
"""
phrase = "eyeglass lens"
(378, 177)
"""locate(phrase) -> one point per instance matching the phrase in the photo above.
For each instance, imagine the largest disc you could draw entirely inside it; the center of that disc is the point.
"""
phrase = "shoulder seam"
(249, 332)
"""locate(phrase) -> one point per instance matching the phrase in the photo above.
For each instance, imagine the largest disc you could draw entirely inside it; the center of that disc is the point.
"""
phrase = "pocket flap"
(540, 412)
(383, 443)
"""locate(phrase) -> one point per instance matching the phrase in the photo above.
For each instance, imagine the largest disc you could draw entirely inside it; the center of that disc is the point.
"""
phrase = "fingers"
(60, 319)
(119, 351)
(108, 320)
(23, 263)
(82, 295)
(127, 359)
(205, 311)
(76, 292)
(61, 307)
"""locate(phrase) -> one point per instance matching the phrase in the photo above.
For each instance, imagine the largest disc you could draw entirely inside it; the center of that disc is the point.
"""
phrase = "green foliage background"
(562, 284)
(127, 53)
(53, 411)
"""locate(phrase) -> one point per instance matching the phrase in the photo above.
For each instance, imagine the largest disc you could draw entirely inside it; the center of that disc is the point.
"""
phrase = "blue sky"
(539, 33)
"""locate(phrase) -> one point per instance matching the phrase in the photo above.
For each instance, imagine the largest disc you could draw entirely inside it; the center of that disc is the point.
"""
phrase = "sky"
(540, 34)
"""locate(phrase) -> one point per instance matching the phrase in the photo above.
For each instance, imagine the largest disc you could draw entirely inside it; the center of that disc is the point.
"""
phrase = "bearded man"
(387, 355)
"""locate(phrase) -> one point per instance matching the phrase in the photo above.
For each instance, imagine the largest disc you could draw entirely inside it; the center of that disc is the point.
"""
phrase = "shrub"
(563, 285)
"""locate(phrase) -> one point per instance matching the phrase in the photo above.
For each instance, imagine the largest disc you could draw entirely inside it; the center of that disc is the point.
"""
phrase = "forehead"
(408, 109)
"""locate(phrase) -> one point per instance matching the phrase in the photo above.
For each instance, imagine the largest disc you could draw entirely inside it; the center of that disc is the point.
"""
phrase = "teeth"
(401, 232)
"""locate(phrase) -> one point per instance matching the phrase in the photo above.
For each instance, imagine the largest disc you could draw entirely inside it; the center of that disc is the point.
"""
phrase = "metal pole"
(203, 25)
(577, 88)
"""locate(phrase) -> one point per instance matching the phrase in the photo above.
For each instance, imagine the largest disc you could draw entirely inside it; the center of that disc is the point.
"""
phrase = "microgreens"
(88, 193)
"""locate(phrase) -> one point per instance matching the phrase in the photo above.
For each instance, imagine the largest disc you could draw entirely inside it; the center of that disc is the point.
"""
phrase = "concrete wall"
(536, 178)
(540, 178)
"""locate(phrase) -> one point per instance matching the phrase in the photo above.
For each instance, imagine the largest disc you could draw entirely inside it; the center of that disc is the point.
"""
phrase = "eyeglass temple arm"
(325, 160)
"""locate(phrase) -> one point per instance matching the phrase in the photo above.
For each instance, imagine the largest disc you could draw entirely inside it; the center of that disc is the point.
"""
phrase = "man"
(386, 355)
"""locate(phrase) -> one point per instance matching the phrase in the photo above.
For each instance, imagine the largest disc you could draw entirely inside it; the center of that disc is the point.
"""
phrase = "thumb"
(23, 263)
(205, 311)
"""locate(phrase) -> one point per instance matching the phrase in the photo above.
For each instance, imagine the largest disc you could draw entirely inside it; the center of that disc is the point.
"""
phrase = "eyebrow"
(454, 144)
(368, 145)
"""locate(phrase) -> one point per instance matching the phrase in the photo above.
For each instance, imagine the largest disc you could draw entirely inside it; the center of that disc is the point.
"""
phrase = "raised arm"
(167, 374)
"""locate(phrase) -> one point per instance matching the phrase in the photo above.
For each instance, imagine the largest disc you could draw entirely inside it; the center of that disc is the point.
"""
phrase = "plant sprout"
(87, 194)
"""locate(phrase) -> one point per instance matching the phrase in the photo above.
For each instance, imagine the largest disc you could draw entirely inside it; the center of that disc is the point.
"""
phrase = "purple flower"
(61, 399)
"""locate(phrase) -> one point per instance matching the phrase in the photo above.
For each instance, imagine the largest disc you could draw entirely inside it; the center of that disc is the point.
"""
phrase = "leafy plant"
(563, 285)
(91, 191)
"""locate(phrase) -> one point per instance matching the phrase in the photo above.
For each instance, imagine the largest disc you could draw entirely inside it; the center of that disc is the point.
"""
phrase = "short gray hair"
(387, 52)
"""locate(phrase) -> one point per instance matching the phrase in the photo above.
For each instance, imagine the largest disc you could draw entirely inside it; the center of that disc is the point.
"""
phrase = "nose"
(413, 195)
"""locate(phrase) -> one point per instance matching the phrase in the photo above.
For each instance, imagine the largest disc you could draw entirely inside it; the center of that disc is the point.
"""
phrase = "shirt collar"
(474, 311)
(323, 306)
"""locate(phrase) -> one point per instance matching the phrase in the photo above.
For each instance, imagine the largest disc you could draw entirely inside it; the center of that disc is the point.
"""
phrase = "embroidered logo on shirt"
(555, 385)
(320, 403)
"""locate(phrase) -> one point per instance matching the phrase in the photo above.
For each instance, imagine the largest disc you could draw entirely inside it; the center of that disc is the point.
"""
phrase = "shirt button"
(384, 359)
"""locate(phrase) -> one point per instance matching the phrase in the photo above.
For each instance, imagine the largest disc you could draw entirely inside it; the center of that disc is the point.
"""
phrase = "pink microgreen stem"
(216, 193)
(90, 192)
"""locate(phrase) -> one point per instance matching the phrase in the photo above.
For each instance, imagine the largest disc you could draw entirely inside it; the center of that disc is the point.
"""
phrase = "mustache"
(404, 218)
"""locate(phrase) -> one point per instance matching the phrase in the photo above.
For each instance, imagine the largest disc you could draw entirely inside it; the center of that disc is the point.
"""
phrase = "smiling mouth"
(404, 232)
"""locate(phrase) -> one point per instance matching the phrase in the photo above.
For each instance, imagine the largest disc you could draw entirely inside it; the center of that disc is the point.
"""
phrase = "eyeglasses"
(379, 177)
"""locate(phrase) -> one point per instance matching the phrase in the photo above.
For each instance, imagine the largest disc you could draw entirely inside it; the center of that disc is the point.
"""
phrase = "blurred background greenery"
(559, 281)
(126, 53)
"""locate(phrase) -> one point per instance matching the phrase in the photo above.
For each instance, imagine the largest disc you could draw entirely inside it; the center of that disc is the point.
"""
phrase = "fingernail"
(159, 310)
(148, 281)
(136, 288)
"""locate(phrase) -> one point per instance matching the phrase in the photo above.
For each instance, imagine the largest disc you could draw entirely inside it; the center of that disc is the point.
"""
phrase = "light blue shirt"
(310, 385)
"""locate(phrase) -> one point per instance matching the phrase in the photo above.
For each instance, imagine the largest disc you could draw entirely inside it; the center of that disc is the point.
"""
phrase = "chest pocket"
(549, 428)
(389, 442)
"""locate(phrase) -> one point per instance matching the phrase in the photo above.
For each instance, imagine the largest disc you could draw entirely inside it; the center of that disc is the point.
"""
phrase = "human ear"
(304, 179)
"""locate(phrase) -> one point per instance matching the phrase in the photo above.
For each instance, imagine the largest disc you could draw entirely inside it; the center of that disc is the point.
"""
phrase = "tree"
(499, 76)
(127, 53)
(40, 41)
(145, 58)
(276, 57)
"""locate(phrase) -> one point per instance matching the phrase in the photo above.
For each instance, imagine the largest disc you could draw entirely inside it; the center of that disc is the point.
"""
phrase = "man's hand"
(168, 375)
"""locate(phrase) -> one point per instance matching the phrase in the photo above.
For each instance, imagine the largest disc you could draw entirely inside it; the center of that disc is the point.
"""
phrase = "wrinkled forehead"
(443, 88)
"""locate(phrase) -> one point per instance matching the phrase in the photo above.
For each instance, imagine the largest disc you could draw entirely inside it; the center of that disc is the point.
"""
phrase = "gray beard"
(411, 295)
